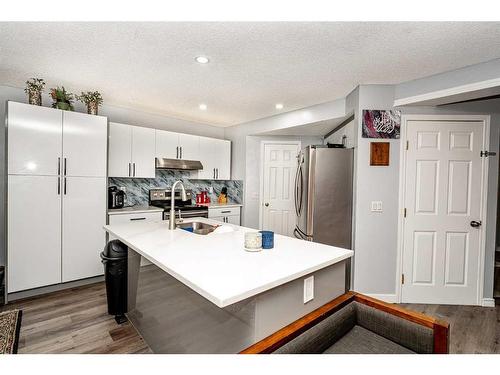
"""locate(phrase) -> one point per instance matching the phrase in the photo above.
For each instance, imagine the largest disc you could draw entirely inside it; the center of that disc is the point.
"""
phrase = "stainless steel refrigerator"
(323, 195)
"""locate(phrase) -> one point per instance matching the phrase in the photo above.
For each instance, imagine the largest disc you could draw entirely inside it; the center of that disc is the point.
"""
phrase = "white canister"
(253, 241)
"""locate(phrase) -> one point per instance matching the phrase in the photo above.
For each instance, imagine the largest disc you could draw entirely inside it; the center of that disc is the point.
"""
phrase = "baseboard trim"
(11, 297)
(488, 302)
(390, 298)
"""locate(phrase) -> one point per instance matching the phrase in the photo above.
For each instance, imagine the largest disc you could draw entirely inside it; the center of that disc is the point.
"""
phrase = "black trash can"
(114, 258)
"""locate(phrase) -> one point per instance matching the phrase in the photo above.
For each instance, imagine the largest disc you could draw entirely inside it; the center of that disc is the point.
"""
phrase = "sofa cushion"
(413, 336)
(359, 340)
(321, 336)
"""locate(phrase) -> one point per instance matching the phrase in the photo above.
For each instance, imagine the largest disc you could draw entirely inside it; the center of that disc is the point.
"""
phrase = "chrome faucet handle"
(180, 217)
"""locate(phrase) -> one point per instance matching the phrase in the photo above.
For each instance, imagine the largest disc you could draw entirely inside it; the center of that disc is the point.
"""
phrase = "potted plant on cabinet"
(62, 99)
(92, 100)
(34, 88)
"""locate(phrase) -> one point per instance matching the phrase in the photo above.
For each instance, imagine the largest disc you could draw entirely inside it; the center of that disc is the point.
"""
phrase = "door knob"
(266, 204)
(475, 224)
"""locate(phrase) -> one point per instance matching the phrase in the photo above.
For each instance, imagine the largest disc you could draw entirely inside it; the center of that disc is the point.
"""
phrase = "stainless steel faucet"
(171, 221)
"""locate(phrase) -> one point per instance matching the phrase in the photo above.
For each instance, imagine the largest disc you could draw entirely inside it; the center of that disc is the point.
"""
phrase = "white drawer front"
(229, 211)
(136, 217)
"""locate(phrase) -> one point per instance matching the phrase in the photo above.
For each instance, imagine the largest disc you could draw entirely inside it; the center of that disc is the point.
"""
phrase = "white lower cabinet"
(84, 214)
(229, 215)
(34, 232)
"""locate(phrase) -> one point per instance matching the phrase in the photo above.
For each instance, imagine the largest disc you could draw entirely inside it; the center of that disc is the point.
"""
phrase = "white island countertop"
(216, 266)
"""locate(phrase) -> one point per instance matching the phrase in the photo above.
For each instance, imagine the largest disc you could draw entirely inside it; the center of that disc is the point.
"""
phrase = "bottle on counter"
(223, 195)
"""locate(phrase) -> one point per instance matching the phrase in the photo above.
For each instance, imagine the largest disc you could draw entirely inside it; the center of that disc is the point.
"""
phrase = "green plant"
(59, 95)
(90, 97)
(34, 85)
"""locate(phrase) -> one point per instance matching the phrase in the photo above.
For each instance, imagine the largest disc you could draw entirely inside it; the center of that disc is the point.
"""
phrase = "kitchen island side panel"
(172, 318)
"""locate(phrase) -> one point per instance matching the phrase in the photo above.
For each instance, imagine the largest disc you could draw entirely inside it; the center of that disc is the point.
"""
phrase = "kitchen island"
(206, 294)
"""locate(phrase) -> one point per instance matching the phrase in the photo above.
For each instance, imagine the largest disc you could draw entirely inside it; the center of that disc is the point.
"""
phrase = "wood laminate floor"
(76, 321)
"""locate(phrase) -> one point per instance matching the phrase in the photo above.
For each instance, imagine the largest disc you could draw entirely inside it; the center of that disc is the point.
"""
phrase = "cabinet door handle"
(180, 152)
(65, 166)
(137, 218)
(217, 172)
(64, 185)
(129, 169)
(134, 170)
(214, 173)
(225, 212)
(58, 166)
(58, 185)
(177, 152)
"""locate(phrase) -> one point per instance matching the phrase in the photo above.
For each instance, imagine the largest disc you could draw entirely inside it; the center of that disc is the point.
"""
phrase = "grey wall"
(376, 233)
(116, 114)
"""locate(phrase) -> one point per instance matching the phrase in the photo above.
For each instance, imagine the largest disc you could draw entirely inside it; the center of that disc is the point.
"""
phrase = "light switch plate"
(376, 206)
(308, 289)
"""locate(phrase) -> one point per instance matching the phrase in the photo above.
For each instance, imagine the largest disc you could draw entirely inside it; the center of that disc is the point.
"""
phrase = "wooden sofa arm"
(291, 331)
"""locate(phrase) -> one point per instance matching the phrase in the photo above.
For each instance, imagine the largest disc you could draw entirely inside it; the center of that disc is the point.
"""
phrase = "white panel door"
(34, 139)
(143, 152)
(34, 232)
(120, 150)
(84, 214)
(208, 158)
(84, 144)
(189, 147)
(278, 212)
(167, 144)
(442, 198)
(223, 162)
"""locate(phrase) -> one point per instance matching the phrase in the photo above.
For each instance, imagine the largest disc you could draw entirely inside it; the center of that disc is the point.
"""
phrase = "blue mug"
(267, 239)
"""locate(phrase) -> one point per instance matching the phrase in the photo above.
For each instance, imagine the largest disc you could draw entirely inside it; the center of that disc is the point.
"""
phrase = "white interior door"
(143, 152)
(84, 144)
(84, 214)
(34, 139)
(279, 165)
(120, 150)
(34, 232)
(443, 191)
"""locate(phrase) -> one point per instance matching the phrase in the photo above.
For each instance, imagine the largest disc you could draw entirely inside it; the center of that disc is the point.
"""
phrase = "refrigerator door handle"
(295, 191)
(301, 190)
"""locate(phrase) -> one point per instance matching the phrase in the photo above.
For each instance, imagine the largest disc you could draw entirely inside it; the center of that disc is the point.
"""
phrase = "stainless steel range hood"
(184, 165)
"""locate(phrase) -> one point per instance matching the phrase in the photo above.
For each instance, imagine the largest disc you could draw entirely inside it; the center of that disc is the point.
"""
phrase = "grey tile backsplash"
(137, 189)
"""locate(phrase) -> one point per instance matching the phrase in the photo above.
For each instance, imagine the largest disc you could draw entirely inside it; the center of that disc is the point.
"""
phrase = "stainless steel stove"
(161, 198)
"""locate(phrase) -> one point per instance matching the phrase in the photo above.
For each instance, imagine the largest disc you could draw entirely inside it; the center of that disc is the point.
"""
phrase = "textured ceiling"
(151, 67)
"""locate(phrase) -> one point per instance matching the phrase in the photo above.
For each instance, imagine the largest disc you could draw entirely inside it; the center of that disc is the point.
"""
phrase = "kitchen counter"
(216, 265)
(206, 294)
(134, 209)
(220, 205)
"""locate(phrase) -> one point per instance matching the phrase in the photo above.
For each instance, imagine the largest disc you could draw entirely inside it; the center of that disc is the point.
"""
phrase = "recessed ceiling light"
(203, 107)
(202, 59)
(279, 106)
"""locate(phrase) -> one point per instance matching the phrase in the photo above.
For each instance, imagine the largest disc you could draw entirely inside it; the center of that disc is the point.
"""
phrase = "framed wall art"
(381, 124)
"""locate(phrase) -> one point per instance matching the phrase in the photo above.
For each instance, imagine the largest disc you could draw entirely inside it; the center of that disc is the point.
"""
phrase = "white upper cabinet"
(167, 144)
(208, 158)
(84, 145)
(131, 151)
(189, 147)
(215, 156)
(223, 160)
(120, 150)
(34, 139)
(172, 145)
(143, 152)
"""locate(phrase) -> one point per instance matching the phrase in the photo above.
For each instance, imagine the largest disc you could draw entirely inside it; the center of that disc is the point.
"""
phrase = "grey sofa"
(357, 324)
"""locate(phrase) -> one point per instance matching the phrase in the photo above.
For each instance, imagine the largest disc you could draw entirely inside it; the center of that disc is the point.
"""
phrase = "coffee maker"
(116, 197)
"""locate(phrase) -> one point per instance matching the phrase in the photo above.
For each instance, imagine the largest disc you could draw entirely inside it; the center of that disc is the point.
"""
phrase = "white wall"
(250, 213)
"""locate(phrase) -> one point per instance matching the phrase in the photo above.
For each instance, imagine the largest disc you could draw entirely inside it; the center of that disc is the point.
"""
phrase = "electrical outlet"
(308, 289)
(376, 206)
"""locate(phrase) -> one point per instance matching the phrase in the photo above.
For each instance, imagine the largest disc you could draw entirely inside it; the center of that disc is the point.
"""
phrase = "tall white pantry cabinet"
(56, 163)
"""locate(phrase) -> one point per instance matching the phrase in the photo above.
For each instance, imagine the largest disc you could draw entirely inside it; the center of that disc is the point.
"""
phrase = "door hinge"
(402, 278)
(407, 144)
(485, 154)
(404, 212)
